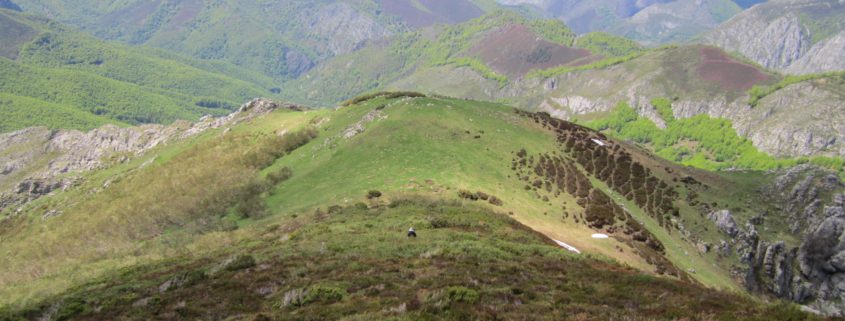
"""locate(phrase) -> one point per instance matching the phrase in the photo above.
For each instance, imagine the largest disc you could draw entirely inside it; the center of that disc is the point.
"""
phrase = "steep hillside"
(795, 36)
(281, 39)
(301, 200)
(781, 116)
(651, 22)
(46, 66)
(498, 48)
(784, 117)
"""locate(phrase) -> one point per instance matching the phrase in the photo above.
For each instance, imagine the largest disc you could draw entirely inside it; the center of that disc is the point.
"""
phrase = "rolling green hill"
(302, 214)
(50, 63)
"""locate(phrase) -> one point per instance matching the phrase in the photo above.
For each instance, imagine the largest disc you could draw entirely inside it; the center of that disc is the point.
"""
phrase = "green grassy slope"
(354, 263)
(422, 146)
(123, 84)
(291, 189)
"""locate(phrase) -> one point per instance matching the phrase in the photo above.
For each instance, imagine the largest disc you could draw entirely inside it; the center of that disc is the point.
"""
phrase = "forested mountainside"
(57, 77)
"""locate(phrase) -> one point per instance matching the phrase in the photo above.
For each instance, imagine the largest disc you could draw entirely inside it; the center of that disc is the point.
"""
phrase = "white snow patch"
(567, 246)
(600, 236)
(599, 142)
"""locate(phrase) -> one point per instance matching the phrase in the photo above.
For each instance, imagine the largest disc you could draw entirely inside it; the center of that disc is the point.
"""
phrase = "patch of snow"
(567, 246)
(600, 236)
(598, 142)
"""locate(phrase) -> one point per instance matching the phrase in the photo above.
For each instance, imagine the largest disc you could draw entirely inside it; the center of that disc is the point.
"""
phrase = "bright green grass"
(681, 253)
(757, 92)
(420, 139)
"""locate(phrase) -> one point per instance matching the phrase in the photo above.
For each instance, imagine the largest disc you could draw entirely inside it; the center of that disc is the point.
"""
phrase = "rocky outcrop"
(812, 272)
(801, 191)
(777, 35)
(724, 221)
(345, 28)
(825, 56)
(38, 161)
(648, 21)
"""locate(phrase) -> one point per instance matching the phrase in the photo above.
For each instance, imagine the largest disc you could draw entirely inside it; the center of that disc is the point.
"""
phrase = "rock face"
(813, 272)
(36, 161)
(724, 221)
(345, 27)
(803, 119)
(825, 56)
(781, 35)
(648, 21)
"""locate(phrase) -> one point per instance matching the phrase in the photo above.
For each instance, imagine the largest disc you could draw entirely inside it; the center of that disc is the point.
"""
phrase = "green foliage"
(324, 294)
(758, 92)
(20, 112)
(280, 175)
(480, 68)
(664, 108)
(698, 141)
(118, 83)
(608, 45)
(553, 30)
(604, 63)
(460, 294)
(384, 94)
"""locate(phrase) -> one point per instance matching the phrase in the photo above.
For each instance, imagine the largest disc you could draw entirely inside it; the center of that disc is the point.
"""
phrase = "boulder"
(724, 221)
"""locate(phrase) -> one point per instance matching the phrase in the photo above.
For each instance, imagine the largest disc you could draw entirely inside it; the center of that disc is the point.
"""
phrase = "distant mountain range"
(651, 21)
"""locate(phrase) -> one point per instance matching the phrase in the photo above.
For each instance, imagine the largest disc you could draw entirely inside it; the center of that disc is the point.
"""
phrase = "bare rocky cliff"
(795, 36)
(811, 272)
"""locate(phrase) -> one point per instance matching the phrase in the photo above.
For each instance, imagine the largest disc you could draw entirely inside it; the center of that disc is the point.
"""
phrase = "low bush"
(385, 94)
(465, 194)
(279, 175)
(324, 294)
(373, 194)
(495, 201)
(240, 262)
(460, 294)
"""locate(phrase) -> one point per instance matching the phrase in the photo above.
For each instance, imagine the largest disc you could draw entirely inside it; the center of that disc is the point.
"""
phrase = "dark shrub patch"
(495, 201)
(279, 176)
(373, 194)
(465, 194)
